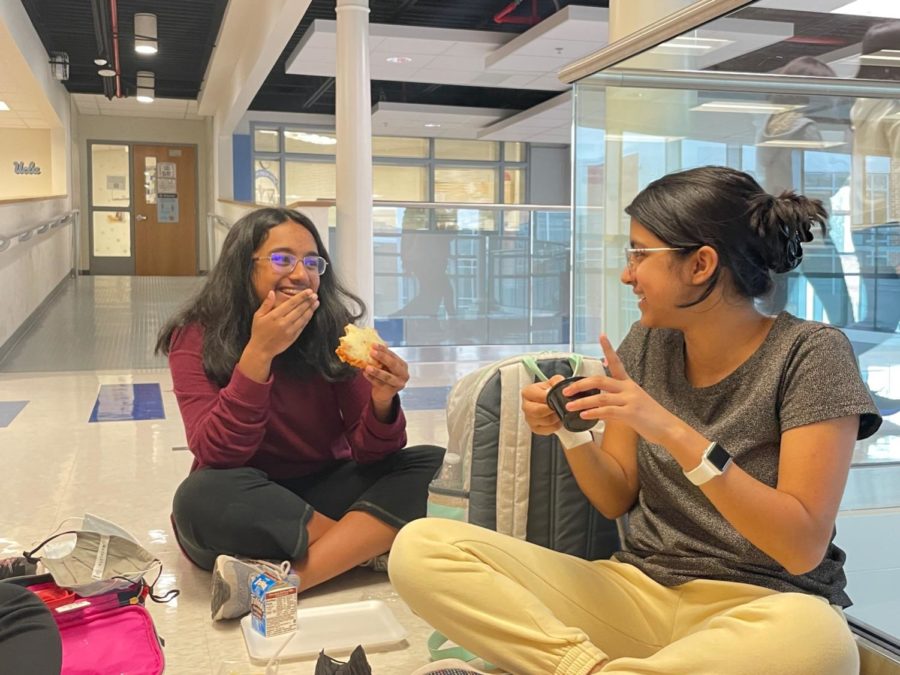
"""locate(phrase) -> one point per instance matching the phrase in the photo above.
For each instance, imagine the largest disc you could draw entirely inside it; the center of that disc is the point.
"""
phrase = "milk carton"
(273, 605)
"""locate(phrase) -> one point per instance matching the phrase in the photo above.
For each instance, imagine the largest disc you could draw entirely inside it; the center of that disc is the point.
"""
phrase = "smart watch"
(714, 462)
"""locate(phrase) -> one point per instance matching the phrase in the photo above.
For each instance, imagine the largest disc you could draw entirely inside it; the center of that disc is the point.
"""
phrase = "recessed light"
(399, 59)
(106, 72)
(745, 107)
(3, 105)
(432, 125)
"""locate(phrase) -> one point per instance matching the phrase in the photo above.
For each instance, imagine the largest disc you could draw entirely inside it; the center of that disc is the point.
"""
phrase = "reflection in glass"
(442, 279)
(309, 142)
(458, 184)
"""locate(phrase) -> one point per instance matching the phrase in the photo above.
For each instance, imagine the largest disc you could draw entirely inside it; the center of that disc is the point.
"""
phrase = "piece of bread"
(356, 346)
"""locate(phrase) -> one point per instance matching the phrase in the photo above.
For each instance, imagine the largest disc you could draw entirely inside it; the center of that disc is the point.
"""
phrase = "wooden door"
(165, 210)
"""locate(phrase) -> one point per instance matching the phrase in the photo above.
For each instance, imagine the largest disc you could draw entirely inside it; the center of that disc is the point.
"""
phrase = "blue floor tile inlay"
(118, 402)
(424, 398)
(9, 410)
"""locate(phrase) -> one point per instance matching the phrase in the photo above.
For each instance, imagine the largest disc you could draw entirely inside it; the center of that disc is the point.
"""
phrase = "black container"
(571, 419)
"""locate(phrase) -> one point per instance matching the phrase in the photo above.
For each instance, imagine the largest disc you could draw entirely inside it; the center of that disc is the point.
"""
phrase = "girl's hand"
(388, 380)
(540, 416)
(622, 400)
(275, 328)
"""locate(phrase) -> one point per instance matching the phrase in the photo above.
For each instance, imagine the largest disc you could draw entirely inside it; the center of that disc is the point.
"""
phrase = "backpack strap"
(513, 453)
(530, 363)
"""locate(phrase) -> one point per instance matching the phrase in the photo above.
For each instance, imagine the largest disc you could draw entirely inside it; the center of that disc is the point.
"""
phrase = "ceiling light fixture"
(788, 143)
(3, 105)
(106, 72)
(432, 125)
(399, 59)
(690, 45)
(885, 9)
(145, 34)
(99, 61)
(146, 83)
(745, 107)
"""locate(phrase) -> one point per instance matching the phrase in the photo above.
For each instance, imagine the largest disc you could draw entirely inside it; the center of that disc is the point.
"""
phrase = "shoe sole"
(224, 604)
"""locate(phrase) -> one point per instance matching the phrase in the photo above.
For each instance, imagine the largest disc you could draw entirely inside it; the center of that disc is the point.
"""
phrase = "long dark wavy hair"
(225, 305)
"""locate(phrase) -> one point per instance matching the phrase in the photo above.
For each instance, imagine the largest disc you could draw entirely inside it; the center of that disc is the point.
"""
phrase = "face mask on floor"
(98, 562)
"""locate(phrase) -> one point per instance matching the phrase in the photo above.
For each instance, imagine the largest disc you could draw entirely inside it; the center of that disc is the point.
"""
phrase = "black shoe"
(16, 566)
(886, 406)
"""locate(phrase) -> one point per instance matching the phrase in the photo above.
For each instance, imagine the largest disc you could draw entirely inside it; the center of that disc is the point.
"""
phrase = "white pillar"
(355, 259)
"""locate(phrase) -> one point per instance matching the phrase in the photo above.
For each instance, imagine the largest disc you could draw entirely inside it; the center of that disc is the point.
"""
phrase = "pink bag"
(121, 640)
(102, 634)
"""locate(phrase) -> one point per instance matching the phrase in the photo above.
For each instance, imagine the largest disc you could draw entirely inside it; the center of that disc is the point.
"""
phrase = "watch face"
(718, 456)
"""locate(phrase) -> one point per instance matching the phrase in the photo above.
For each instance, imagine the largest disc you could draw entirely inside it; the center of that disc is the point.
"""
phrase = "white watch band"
(705, 471)
(572, 439)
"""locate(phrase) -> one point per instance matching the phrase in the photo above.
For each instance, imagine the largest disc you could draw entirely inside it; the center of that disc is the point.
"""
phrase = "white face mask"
(103, 557)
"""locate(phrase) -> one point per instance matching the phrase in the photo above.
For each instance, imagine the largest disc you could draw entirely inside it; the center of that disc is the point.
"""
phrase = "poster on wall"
(167, 185)
(165, 170)
(166, 208)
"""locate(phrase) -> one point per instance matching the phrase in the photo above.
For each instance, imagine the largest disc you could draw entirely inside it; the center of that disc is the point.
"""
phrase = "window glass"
(109, 175)
(265, 140)
(514, 152)
(459, 184)
(395, 146)
(451, 148)
(309, 142)
(309, 181)
(400, 183)
(111, 235)
(267, 181)
(514, 186)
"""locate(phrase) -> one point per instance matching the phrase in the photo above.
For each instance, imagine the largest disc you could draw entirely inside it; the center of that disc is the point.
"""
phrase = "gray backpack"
(499, 475)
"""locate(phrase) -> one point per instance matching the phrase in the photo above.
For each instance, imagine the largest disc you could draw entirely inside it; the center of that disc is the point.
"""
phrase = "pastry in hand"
(356, 346)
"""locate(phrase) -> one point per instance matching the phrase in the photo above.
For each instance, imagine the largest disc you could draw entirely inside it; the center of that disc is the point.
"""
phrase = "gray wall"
(549, 181)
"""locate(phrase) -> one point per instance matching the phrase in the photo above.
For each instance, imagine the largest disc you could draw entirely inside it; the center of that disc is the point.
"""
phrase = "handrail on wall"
(6, 241)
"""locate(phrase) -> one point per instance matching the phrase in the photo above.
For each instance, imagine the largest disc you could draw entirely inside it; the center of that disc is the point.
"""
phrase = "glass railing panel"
(482, 276)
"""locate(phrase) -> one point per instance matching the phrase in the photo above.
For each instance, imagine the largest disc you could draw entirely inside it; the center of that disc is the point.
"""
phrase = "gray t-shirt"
(804, 372)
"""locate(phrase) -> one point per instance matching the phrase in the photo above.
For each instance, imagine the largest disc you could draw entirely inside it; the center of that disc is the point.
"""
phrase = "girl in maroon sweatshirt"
(297, 456)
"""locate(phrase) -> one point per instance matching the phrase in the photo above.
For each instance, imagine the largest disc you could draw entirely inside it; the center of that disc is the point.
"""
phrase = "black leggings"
(244, 512)
(29, 638)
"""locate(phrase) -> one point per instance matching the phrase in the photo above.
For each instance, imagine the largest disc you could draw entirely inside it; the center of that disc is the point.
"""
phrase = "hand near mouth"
(277, 326)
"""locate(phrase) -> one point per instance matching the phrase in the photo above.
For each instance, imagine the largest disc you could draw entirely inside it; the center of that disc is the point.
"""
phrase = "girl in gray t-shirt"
(728, 439)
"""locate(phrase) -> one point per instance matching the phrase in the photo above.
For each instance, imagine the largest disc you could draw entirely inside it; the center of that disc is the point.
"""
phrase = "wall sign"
(23, 169)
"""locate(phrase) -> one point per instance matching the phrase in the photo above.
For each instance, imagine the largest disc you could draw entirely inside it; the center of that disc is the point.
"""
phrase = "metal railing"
(8, 241)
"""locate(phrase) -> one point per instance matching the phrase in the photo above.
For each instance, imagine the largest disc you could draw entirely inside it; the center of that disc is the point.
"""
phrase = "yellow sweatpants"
(534, 611)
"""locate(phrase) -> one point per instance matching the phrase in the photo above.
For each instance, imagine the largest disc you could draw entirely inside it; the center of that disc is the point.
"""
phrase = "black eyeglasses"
(285, 263)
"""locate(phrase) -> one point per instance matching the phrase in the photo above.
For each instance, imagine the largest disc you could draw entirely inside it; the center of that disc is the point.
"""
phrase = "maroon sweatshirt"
(286, 426)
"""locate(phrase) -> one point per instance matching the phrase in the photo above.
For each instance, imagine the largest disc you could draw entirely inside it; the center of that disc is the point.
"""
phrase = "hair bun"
(785, 223)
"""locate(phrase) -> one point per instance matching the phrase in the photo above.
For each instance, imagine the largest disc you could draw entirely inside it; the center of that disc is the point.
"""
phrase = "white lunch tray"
(334, 628)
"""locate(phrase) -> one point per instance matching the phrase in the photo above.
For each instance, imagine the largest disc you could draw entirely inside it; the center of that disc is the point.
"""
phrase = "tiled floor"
(57, 464)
